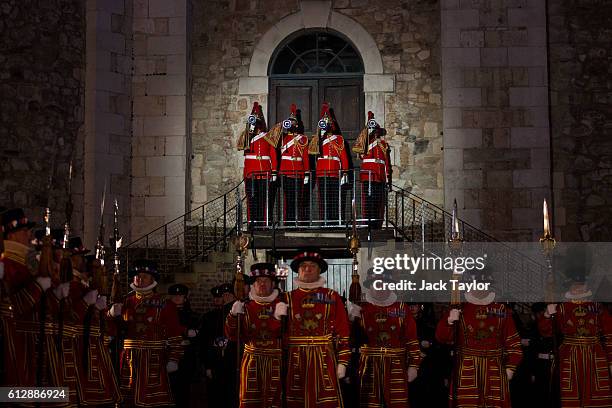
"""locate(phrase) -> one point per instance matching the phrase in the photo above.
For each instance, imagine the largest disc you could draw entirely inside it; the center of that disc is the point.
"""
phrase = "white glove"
(412, 374)
(354, 311)
(306, 179)
(209, 373)
(551, 309)
(237, 308)
(273, 177)
(280, 310)
(101, 303)
(341, 371)
(192, 333)
(172, 366)
(91, 297)
(44, 282)
(344, 179)
(509, 373)
(62, 290)
(453, 316)
(115, 310)
(425, 343)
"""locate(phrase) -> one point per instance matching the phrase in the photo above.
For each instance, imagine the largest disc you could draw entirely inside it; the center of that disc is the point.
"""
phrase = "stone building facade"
(148, 97)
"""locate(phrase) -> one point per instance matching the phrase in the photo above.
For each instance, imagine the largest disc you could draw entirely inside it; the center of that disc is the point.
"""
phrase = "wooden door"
(345, 96)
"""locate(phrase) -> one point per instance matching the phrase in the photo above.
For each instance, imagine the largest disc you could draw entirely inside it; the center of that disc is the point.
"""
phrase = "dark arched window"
(315, 53)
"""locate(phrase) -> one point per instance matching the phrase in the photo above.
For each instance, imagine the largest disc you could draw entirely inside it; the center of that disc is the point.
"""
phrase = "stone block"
(106, 40)
(536, 37)
(540, 158)
(149, 105)
(175, 105)
(472, 38)
(165, 166)
(462, 138)
(537, 116)
(175, 186)
(462, 97)
(527, 56)
(528, 137)
(451, 117)
(520, 17)
(499, 179)
(143, 25)
(253, 85)
(530, 178)
(315, 13)
(494, 57)
(528, 96)
(461, 57)
(526, 217)
(141, 8)
(167, 8)
(164, 125)
(451, 37)
(176, 64)
(177, 26)
(166, 85)
(378, 83)
(537, 76)
(175, 146)
(166, 45)
(156, 186)
(453, 159)
(501, 138)
(460, 18)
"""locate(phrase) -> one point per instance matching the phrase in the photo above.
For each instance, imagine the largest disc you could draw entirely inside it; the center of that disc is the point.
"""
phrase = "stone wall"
(580, 55)
(496, 133)
(42, 84)
(159, 113)
(106, 150)
(408, 86)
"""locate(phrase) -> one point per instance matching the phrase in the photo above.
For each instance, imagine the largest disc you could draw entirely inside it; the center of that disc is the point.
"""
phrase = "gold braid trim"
(313, 146)
(361, 144)
(274, 135)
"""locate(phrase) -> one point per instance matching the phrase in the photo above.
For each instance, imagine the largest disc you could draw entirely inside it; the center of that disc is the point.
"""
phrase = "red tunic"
(259, 157)
(260, 370)
(294, 155)
(153, 338)
(488, 343)
(317, 338)
(333, 157)
(19, 313)
(375, 164)
(391, 347)
(583, 358)
(97, 383)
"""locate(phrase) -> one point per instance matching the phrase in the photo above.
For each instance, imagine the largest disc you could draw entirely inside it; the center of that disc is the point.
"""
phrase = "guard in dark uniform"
(182, 380)
(219, 353)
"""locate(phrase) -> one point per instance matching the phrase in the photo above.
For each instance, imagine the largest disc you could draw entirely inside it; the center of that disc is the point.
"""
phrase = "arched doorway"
(315, 65)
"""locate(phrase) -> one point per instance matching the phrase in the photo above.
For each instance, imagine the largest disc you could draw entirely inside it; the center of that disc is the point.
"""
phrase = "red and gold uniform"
(487, 345)
(375, 170)
(585, 353)
(294, 169)
(317, 338)
(153, 338)
(260, 370)
(20, 313)
(332, 164)
(97, 383)
(260, 166)
(391, 348)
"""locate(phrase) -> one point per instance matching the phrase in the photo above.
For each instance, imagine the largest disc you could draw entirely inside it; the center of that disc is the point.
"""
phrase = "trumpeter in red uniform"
(585, 354)
(487, 350)
(375, 171)
(295, 169)
(332, 166)
(260, 370)
(260, 166)
(152, 346)
(317, 336)
(390, 357)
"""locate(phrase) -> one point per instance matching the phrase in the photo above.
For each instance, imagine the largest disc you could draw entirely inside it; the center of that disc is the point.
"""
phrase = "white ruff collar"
(264, 299)
(578, 296)
(391, 299)
(480, 301)
(143, 290)
(309, 285)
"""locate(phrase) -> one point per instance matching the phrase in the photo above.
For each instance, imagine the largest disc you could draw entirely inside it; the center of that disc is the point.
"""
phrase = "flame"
(546, 219)
(119, 241)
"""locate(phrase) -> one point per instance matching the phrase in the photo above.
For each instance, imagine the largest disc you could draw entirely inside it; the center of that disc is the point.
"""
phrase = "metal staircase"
(188, 239)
